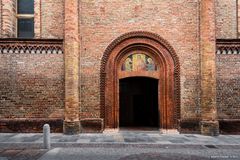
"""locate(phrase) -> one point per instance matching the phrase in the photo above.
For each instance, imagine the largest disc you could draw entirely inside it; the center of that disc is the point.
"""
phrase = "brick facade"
(43, 85)
(226, 19)
(112, 21)
(52, 18)
(228, 87)
(32, 81)
(31, 86)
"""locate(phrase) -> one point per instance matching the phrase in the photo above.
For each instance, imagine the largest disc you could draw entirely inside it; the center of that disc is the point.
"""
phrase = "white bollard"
(46, 136)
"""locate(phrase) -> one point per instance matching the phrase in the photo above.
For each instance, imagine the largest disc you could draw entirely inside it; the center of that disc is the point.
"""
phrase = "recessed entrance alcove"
(140, 84)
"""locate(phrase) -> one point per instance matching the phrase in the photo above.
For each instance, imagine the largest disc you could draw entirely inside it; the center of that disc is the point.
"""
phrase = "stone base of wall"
(30, 125)
(93, 125)
(226, 126)
(189, 126)
(229, 126)
(209, 128)
(71, 127)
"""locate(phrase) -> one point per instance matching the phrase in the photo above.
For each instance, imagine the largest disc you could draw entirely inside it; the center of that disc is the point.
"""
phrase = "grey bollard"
(46, 136)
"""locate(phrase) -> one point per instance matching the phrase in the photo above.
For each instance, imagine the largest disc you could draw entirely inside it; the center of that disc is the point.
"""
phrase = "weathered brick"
(104, 21)
(71, 56)
(32, 85)
(8, 18)
(228, 86)
(226, 19)
(52, 19)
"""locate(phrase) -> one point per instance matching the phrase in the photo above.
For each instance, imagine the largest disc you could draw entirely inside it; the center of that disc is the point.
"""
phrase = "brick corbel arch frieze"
(163, 52)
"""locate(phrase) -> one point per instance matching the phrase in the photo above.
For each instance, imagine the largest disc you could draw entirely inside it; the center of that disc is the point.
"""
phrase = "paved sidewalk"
(123, 145)
(121, 137)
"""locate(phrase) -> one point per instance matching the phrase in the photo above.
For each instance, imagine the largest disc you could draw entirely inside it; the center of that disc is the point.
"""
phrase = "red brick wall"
(52, 18)
(228, 86)
(226, 19)
(31, 86)
(104, 21)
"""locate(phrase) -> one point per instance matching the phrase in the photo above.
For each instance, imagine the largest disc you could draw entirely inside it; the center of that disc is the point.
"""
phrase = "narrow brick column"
(37, 18)
(209, 124)
(71, 52)
(8, 17)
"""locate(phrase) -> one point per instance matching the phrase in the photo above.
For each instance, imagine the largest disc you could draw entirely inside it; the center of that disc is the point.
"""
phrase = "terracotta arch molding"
(169, 79)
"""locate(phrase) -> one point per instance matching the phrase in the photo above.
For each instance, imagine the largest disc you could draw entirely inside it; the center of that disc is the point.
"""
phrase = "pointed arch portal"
(148, 60)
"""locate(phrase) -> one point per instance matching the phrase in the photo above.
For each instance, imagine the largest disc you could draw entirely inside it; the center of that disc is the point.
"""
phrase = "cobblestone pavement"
(139, 153)
(122, 145)
(130, 152)
(21, 154)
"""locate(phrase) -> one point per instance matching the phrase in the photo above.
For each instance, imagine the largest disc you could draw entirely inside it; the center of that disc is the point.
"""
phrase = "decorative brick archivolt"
(15, 46)
(163, 52)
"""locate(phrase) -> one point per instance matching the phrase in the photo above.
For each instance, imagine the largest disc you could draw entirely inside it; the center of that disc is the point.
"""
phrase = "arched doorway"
(140, 55)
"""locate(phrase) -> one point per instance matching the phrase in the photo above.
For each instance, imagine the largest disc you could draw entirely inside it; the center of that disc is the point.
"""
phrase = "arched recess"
(168, 75)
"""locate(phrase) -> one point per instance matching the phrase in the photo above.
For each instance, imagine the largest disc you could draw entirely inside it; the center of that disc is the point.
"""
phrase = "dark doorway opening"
(139, 102)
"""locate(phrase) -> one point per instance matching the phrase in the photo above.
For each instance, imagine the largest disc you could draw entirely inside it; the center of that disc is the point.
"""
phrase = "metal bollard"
(46, 136)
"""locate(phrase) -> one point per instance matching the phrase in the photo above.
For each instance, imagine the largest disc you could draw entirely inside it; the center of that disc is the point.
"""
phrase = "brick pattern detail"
(226, 19)
(228, 86)
(30, 47)
(228, 80)
(94, 125)
(52, 19)
(31, 83)
(209, 128)
(189, 126)
(229, 126)
(225, 46)
(49, 21)
(30, 125)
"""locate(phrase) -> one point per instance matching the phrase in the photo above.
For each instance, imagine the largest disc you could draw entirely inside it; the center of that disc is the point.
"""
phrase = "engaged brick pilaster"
(8, 18)
(71, 46)
(1, 19)
(37, 18)
(209, 124)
